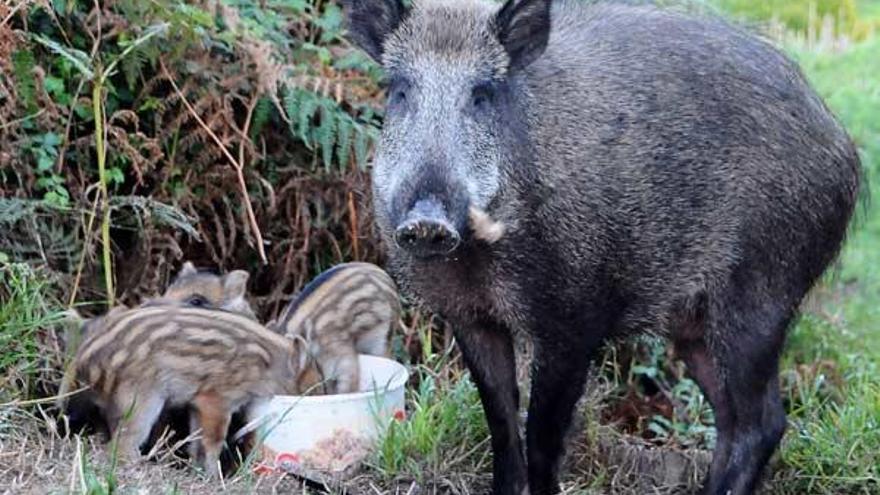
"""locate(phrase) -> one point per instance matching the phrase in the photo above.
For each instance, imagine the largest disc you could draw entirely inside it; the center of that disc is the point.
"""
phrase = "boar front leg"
(488, 353)
(559, 372)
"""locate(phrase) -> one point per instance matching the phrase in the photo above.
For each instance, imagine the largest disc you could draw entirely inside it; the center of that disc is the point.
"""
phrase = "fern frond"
(260, 117)
(344, 126)
(308, 104)
(132, 67)
(362, 145)
(23, 66)
(78, 58)
(160, 213)
(291, 104)
(326, 132)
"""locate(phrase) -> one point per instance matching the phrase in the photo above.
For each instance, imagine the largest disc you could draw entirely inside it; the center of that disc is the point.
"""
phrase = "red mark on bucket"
(399, 415)
(263, 469)
(286, 461)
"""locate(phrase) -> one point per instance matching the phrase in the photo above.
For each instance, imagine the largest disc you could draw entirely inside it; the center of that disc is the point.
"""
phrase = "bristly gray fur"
(653, 170)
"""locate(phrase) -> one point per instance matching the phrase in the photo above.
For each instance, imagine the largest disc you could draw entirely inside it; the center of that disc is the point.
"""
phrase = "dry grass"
(37, 458)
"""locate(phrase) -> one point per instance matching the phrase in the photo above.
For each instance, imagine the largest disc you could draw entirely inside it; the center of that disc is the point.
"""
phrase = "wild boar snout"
(426, 230)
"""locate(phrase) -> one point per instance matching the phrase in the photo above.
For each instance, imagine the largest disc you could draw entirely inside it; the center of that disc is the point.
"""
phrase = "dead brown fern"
(195, 147)
(150, 265)
(11, 116)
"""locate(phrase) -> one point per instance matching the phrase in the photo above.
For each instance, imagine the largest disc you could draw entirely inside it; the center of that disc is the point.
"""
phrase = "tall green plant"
(92, 70)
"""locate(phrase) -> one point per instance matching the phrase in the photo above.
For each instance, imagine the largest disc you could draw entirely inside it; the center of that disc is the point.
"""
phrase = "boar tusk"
(484, 227)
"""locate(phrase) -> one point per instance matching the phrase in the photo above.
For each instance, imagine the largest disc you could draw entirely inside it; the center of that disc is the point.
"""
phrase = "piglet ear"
(187, 269)
(371, 21)
(235, 284)
(523, 28)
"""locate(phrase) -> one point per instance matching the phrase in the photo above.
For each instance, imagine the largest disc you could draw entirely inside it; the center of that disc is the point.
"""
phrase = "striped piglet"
(139, 361)
(349, 309)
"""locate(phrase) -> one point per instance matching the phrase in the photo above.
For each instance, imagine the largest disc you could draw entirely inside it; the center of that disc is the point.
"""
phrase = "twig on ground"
(352, 213)
(44, 400)
(82, 258)
(239, 170)
(12, 13)
(12, 123)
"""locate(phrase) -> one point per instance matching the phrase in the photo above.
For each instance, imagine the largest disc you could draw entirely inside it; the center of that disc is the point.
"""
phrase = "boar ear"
(523, 28)
(371, 21)
(235, 284)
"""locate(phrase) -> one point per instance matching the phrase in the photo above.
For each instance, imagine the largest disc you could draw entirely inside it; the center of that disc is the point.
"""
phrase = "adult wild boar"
(651, 171)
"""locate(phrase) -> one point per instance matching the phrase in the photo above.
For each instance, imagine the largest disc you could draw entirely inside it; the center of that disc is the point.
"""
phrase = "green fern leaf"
(23, 66)
(361, 146)
(291, 107)
(132, 66)
(260, 117)
(308, 104)
(326, 132)
(78, 58)
(344, 125)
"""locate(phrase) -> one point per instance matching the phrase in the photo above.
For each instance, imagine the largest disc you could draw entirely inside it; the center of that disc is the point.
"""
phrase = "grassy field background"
(645, 427)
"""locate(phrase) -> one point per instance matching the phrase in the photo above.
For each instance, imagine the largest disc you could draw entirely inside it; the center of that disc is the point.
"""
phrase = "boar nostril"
(406, 236)
(426, 238)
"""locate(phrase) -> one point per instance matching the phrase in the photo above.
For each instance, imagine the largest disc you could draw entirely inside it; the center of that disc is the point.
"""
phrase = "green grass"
(795, 13)
(26, 308)
(97, 480)
(445, 430)
(869, 9)
(856, 19)
(832, 362)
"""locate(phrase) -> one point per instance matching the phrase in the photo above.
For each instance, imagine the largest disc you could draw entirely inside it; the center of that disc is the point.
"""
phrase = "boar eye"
(397, 93)
(482, 96)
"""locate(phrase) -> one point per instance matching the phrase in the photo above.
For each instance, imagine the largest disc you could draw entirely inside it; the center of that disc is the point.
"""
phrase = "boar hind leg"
(733, 356)
(703, 368)
(194, 448)
(760, 426)
(132, 417)
(213, 415)
(488, 353)
(759, 416)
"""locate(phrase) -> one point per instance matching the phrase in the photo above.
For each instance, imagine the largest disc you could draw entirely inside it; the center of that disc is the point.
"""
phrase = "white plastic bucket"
(296, 431)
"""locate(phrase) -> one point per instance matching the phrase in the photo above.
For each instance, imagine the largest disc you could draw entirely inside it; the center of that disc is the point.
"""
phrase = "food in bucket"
(334, 454)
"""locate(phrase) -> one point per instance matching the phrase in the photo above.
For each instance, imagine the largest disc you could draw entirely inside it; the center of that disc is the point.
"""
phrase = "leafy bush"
(251, 121)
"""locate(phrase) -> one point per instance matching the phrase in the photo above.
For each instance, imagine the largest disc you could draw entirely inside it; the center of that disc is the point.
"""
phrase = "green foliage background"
(271, 86)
